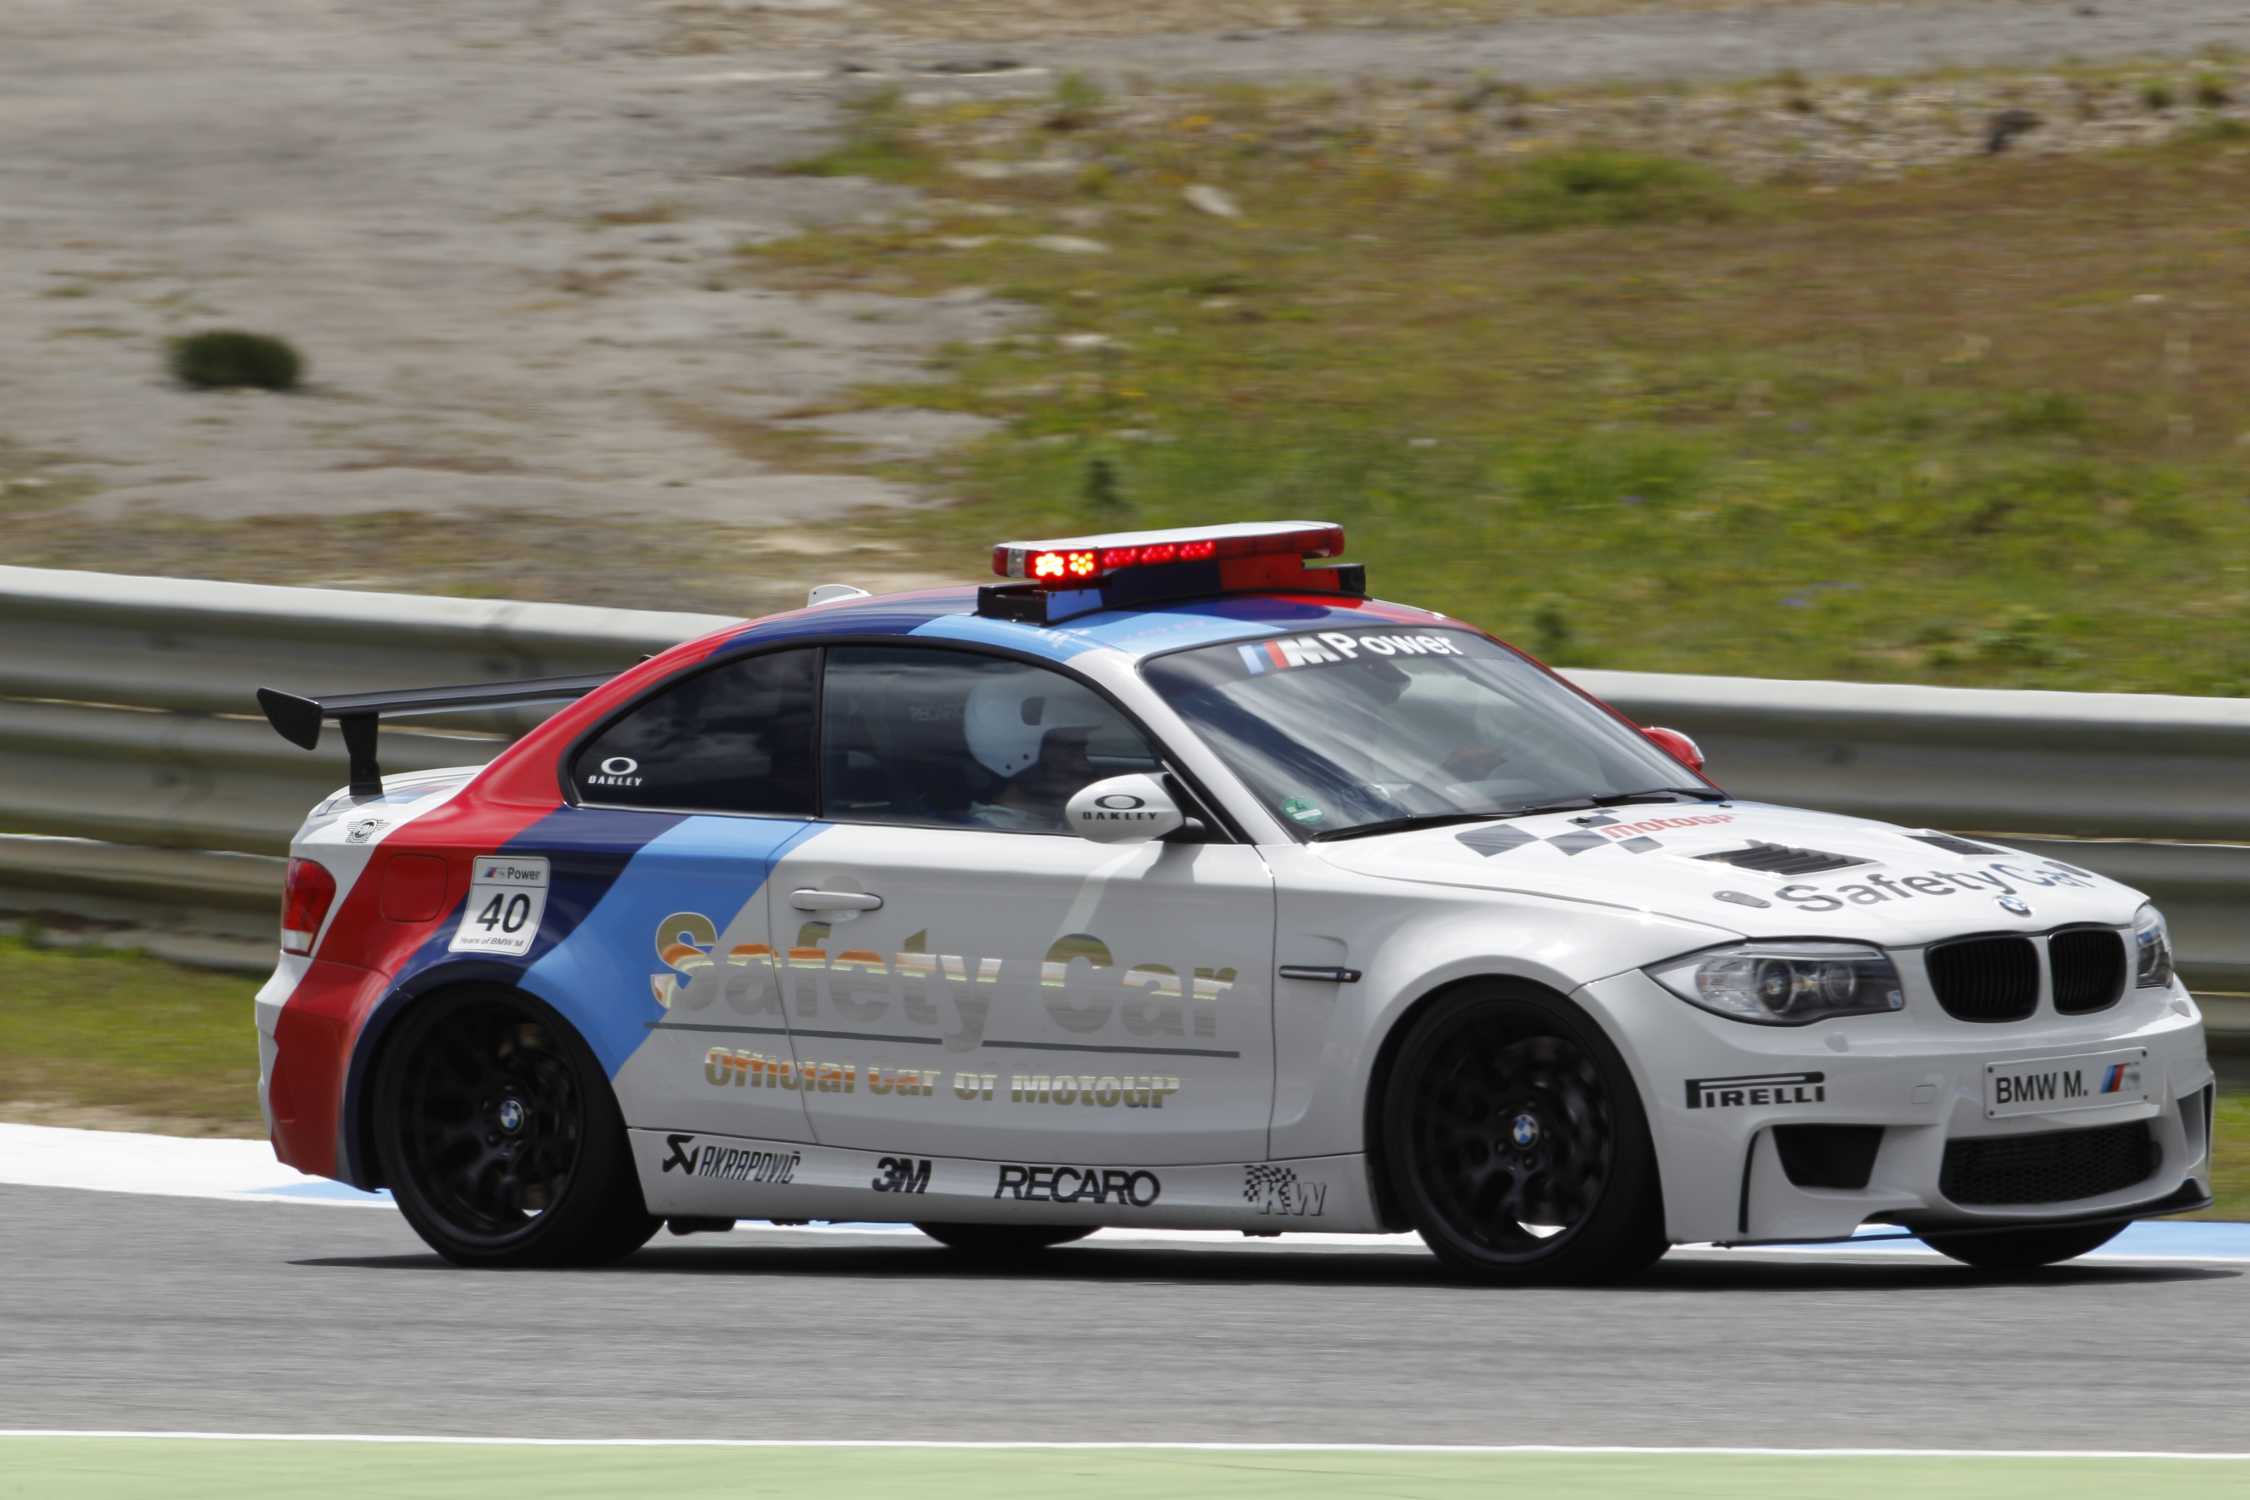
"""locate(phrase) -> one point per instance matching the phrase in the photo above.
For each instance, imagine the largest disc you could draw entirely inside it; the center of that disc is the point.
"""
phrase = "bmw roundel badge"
(2015, 906)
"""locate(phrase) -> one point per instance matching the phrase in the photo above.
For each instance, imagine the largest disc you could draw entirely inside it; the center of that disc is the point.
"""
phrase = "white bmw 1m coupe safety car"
(1171, 881)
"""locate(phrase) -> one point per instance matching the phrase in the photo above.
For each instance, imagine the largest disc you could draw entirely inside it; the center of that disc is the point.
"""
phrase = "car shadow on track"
(1675, 1275)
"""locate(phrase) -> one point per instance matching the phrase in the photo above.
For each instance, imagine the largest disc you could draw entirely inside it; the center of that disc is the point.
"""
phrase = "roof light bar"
(1083, 561)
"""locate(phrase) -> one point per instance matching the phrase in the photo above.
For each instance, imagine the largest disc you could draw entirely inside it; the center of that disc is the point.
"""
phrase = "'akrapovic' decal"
(728, 1163)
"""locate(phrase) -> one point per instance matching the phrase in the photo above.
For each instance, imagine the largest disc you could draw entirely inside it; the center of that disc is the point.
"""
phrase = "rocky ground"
(717, 25)
(490, 229)
(1788, 126)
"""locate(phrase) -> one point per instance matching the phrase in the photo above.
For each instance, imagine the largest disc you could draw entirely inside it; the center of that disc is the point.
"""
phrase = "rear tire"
(1514, 1138)
(1001, 1243)
(500, 1138)
(2023, 1249)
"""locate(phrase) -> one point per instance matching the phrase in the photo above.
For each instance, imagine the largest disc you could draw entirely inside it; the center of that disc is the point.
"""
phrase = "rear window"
(735, 738)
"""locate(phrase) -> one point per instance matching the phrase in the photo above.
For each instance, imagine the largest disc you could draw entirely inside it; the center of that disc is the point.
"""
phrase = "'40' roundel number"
(505, 915)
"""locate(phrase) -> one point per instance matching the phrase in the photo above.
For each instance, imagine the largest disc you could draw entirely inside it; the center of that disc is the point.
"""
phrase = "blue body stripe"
(598, 977)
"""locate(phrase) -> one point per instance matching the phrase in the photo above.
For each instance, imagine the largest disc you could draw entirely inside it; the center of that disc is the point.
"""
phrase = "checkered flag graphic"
(1268, 1186)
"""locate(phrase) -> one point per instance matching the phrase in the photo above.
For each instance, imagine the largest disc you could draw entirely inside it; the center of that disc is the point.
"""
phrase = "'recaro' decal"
(1117, 1186)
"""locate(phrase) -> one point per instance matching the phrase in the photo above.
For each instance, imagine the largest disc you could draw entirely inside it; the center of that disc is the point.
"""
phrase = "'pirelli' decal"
(1756, 1089)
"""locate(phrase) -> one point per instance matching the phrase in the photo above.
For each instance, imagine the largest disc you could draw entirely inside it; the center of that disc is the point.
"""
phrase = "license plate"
(2050, 1085)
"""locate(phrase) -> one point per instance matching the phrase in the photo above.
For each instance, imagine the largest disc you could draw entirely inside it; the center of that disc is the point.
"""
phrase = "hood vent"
(1780, 859)
(1952, 845)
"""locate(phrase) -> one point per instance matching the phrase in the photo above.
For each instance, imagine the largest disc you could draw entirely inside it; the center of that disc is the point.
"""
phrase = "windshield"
(1346, 730)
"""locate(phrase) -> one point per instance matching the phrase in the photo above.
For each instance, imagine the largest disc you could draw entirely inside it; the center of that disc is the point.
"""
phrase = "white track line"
(1001, 1446)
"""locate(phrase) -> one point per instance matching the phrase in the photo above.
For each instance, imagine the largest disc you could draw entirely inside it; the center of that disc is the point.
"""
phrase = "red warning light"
(1083, 560)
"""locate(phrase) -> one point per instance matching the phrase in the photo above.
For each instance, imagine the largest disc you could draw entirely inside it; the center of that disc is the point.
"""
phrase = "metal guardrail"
(128, 738)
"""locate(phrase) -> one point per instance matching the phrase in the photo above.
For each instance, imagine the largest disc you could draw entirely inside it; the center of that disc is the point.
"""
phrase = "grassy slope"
(1979, 425)
(125, 1038)
(118, 1032)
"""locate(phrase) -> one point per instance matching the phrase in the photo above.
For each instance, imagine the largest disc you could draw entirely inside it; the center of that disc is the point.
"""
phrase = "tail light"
(304, 905)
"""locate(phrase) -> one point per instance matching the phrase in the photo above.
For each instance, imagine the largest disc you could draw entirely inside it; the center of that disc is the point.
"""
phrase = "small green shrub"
(1102, 493)
(2215, 132)
(1078, 100)
(2039, 414)
(1614, 473)
(2211, 91)
(1594, 185)
(220, 358)
(1552, 638)
(878, 142)
(2023, 636)
(2158, 96)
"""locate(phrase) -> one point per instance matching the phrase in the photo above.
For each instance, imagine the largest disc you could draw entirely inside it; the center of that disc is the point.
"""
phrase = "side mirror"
(1678, 746)
(1124, 810)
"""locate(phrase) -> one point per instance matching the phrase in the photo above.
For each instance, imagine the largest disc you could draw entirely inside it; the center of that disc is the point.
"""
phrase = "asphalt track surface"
(127, 1312)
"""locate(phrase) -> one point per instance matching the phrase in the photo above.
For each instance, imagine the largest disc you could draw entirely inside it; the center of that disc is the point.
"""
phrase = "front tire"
(2023, 1249)
(500, 1138)
(1001, 1244)
(1514, 1138)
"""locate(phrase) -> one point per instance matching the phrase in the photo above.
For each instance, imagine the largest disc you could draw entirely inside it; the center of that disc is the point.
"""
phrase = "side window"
(953, 739)
(735, 738)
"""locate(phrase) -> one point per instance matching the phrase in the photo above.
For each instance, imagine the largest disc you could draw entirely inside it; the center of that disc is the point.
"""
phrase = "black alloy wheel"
(1002, 1243)
(2023, 1249)
(1516, 1142)
(500, 1139)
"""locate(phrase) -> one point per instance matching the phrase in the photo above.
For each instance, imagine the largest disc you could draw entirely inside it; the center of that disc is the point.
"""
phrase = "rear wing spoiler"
(298, 720)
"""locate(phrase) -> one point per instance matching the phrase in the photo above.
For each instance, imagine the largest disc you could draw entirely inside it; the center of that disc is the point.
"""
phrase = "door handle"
(834, 901)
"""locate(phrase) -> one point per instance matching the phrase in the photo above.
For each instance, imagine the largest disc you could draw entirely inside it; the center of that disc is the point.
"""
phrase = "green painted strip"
(146, 1468)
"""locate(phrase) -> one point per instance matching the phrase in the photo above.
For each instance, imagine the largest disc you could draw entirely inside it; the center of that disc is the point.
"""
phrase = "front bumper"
(1898, 1107)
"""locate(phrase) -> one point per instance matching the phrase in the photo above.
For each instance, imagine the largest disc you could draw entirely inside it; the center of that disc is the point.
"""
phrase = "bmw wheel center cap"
(1524, 1131)
(510, 1115)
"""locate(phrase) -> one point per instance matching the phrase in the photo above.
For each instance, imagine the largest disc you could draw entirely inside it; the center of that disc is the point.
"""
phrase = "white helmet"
(1008, 717)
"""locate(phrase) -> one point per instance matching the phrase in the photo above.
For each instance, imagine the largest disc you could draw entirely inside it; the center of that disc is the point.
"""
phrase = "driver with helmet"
(1030, 731)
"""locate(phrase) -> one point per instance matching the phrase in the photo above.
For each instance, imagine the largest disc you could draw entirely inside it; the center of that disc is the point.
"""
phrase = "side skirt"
(717, 1176)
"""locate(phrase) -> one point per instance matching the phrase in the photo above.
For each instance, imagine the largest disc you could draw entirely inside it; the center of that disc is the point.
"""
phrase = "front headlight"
(2152, 945)
(1785, 983)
